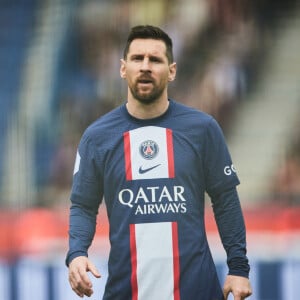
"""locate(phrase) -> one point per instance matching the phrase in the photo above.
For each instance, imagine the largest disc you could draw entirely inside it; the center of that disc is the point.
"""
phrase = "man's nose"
(145, 66)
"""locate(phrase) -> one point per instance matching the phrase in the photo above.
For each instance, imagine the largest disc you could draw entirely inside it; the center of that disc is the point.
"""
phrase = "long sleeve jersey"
(153, 175)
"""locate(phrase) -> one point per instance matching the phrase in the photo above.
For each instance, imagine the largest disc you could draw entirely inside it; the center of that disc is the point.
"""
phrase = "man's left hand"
(239, 286)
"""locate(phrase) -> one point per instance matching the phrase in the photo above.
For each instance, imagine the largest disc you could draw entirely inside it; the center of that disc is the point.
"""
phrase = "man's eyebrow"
(133, 56)
(156, 57)
(151, 56)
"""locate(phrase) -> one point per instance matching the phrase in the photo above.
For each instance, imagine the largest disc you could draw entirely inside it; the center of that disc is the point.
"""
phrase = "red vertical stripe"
(176, 265)
(127, 152)
(170, 153)
(133, 255)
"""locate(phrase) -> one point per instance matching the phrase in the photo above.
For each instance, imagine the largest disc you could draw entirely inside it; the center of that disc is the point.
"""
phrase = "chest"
(152, 153)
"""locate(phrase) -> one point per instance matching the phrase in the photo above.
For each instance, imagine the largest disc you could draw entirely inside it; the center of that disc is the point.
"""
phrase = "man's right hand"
(78, 278)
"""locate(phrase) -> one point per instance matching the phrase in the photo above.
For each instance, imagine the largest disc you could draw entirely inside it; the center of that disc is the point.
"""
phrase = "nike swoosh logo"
(143, 171)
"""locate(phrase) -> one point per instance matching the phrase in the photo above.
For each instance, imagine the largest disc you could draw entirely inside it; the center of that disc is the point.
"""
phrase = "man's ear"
(123, 68)
(172, 71)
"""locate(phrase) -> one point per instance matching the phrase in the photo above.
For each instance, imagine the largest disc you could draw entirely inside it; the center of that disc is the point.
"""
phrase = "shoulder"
(192, 116)
(104, 124)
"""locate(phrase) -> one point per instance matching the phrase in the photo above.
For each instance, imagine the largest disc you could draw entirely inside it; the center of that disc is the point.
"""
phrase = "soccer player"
(152, 160)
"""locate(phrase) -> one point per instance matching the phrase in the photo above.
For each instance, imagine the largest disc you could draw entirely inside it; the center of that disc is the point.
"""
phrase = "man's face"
(147, 70)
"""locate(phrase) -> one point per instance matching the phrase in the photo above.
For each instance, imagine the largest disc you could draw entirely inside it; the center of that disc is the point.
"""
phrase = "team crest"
(148, 149)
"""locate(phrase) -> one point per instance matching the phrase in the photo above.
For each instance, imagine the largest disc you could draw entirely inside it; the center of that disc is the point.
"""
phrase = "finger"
(89, 292)
(225, 294)
(94, 270)
(81, 291)
(242, 295)
(75, 288)
(84, 280)
(246, 294)
(80, 283)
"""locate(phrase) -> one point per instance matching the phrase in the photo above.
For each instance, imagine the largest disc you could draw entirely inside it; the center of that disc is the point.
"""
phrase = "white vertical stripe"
(254, 279)
(154, 247)
(32, 280)
(290, 280)
(137, 137)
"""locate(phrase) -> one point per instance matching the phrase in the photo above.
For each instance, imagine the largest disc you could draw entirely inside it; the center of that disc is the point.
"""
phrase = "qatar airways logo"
(154, 200)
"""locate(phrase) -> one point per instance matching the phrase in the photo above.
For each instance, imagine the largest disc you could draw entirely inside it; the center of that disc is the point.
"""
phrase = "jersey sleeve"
(86, 196)
(231, 226)
(221, 181)
(87, 177)
(220, 173)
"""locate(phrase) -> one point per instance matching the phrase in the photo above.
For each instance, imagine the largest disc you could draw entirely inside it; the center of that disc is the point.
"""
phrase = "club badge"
(149, 149)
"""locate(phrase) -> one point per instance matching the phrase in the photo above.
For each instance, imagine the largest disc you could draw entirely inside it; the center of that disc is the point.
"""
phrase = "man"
(153, 159)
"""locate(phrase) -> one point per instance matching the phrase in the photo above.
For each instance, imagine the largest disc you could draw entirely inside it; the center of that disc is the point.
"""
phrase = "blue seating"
(16, 24)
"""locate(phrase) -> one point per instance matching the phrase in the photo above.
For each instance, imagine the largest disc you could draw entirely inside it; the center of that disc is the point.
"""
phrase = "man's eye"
(137, 58)
(155, 59)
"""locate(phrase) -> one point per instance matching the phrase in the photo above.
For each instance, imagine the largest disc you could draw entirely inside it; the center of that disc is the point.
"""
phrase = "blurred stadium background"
(59, 70)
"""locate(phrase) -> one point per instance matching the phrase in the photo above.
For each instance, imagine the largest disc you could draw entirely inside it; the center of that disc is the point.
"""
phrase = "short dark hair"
(150, 32)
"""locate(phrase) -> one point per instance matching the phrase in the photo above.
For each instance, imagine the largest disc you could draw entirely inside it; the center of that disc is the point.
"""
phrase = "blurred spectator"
(286, 184)
(216, 56)
(228, 15)
(218, 46)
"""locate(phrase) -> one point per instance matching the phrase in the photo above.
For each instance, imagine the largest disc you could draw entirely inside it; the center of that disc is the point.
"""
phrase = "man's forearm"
(231, 226)
(81, 231)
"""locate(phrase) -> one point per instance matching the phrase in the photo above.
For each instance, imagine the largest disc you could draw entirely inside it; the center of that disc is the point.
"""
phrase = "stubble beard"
(146, 98)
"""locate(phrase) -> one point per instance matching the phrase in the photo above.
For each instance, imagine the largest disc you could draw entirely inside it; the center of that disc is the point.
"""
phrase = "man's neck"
(147, 111)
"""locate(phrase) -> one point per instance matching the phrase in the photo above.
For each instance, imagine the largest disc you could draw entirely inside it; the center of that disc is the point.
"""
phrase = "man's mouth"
(145, 81)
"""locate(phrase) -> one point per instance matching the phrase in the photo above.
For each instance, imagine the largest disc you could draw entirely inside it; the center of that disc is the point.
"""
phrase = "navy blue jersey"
(153, 175)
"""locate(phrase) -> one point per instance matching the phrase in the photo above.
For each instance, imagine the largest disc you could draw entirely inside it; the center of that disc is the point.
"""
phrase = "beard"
(146, 97)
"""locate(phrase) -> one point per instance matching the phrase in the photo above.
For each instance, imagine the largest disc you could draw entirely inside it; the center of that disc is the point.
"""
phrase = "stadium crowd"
(220, 48)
